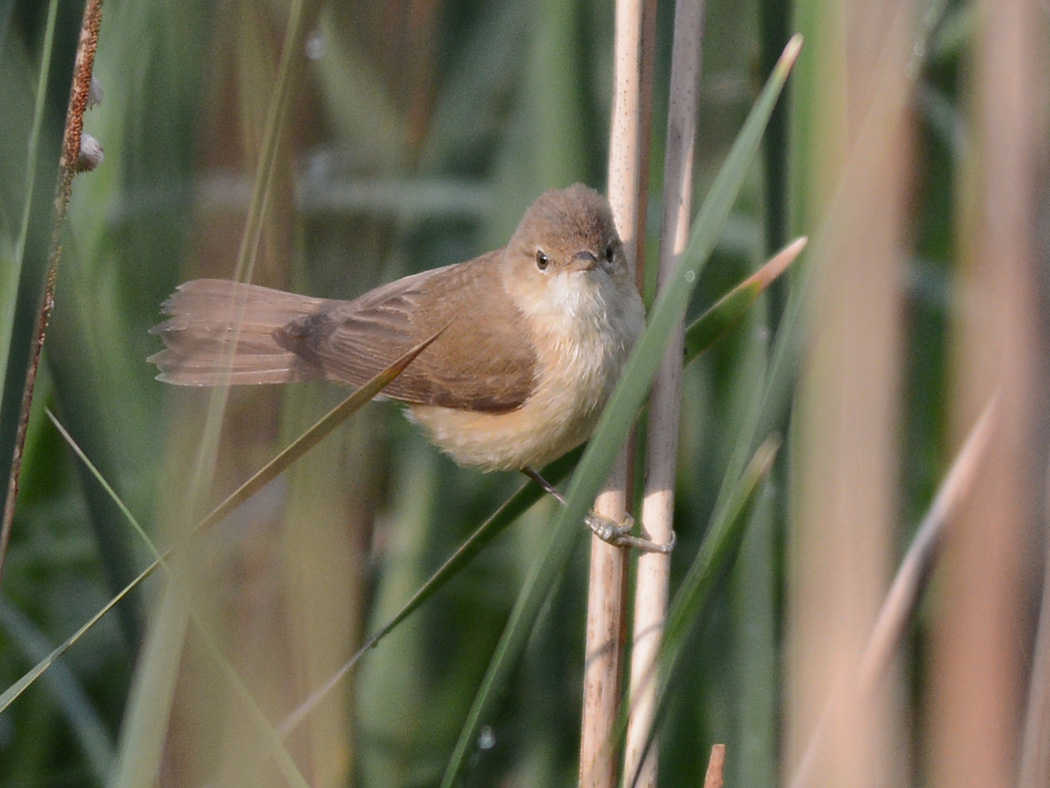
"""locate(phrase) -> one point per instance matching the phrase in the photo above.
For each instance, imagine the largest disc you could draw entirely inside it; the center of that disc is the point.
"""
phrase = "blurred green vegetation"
(419, 133)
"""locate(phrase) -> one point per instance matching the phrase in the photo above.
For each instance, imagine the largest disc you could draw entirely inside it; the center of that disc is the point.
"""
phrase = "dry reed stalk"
(654, 569)
(606, 634)
(845, 459)
(606, 612)
(79, 96)
(910, 581)
(716, 767)
(645, 135)
(1035, 747)
(1031, 125)
(976, 657)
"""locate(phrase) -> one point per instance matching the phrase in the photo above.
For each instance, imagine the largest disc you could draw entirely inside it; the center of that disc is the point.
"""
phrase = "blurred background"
(910, 146)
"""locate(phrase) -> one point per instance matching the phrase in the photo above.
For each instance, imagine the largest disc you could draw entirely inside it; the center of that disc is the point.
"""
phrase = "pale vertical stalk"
(1035, 747)
(975, 660)
(605, 603)
(645, 133)
(1026, 126)
(844, 462)
(898, 608)
(654, 569)
(715, 767)
(606, 633)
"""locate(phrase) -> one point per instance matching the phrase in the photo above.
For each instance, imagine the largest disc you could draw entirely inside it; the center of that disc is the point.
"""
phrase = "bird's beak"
(584, 261)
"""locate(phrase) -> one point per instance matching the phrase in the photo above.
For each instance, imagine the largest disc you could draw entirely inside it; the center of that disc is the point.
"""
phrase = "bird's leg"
(616, 534)
(546, 485)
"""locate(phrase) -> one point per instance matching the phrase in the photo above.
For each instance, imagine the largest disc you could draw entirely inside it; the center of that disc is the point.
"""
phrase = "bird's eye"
(609, 252)
(542, 261)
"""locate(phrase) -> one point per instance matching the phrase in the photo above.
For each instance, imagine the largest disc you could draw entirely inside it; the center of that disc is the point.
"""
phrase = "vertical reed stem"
(654, 569)
(606, 613)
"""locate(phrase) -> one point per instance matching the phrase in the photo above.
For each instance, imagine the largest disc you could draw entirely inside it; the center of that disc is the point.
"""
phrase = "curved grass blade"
(8, 696)
(281, 755)
(623, 406)
(260, 479)
(507, 513)
(69, 694)
(13, 276)
(707, 328)
(318, 432)
(722, 541)
(71, 146)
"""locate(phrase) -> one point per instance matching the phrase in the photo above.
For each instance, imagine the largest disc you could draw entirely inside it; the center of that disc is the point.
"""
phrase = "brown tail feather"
(200, 333)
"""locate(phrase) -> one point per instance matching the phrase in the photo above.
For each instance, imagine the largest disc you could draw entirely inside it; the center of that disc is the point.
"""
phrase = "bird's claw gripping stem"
(619, 534)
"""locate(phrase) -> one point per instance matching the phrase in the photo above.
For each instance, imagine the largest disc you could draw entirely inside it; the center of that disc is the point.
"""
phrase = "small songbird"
(533, 337)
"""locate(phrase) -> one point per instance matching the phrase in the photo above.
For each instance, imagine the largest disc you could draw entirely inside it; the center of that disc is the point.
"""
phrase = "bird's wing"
(482, 360)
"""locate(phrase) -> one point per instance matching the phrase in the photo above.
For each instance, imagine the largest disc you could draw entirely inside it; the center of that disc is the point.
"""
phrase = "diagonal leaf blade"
(507, 513)
(728, 310)
(260, 479)
(721, 543)
(623, 406)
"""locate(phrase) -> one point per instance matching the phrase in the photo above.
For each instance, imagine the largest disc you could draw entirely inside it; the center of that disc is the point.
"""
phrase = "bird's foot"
(619, 534)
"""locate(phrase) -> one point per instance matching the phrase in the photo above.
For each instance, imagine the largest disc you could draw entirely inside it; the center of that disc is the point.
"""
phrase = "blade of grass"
(33, 153)
(507, 513)
(8, 696)
(281, 755)
(624, 404)
(78, 102)
(69, 694)
(723, 536)
(727, 311)
(721, 543)
(260, 479)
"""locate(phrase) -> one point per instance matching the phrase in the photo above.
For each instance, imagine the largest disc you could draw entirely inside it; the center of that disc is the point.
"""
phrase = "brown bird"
(533, 338)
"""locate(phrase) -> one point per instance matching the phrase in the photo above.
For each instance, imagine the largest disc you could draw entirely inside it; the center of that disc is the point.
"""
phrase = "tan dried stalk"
(846, 421)
(1035, 747)
(716, 767)
(904, 594)
(1020, 57)
(976, 653)
(654, 569)
(606, 616)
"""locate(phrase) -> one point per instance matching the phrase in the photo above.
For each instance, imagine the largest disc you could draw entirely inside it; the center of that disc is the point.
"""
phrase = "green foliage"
(329, 625)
